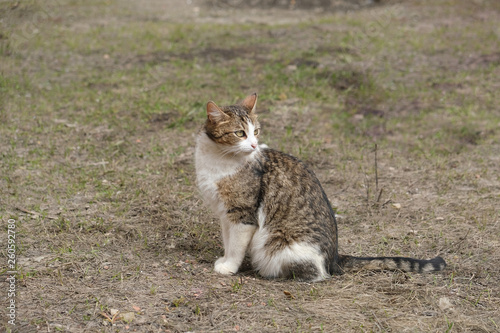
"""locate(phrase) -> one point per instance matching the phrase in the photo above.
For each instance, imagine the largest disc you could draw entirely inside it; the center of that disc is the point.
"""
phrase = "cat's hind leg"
(236, 237)
(300, 261)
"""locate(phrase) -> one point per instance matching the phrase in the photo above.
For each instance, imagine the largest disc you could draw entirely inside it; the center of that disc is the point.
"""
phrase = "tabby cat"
(272, 206)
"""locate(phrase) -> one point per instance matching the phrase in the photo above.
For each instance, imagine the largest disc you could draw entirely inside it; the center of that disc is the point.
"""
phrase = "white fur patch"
(405, 266)
(428, 268)
(261, 216)
(236, 239)
(390, 264)
(212, 164)
(250, 144)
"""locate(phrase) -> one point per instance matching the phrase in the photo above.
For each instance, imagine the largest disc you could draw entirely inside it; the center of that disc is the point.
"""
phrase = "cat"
(272, 206)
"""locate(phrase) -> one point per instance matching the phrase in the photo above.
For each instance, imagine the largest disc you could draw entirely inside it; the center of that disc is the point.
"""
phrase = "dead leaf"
(112, 317)
(288, 294)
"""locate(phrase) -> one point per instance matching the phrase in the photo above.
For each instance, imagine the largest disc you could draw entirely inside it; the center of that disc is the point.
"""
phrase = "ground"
(394, 105)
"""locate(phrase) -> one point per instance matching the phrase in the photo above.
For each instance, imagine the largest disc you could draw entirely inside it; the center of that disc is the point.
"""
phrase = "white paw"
(222, 266)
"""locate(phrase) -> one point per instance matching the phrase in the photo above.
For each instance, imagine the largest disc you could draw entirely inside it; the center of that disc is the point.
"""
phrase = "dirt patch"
(297, 4)
(484, 60)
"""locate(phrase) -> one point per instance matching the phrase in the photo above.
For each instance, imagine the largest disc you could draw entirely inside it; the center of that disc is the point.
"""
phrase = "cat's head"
(234, 128)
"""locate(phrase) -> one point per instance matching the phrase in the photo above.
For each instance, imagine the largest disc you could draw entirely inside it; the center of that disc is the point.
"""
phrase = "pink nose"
(254, 145)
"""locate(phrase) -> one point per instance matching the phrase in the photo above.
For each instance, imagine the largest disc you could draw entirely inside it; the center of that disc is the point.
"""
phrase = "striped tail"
(350, 263)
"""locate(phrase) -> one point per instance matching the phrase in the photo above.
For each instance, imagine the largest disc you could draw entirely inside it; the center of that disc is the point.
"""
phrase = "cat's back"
(287, 174)
(293, 194)
(287, 167)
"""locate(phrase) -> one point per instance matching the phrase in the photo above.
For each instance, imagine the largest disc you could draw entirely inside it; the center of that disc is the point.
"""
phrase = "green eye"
(240, 134)
(256, 132)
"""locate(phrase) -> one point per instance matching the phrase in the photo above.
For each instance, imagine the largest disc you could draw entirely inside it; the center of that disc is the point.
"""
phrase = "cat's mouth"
(250, 150)
(239, 150)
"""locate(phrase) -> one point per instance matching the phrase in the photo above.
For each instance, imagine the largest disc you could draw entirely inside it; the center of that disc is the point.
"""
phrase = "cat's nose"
(254, 145)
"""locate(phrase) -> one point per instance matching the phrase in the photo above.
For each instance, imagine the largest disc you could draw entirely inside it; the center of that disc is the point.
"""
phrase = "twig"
(112, 319)
(457, 243)
(386, 202)
(376, 170)
(59, 275)
(35, 214)
(380, 194)
(377, 322)
(367, 189)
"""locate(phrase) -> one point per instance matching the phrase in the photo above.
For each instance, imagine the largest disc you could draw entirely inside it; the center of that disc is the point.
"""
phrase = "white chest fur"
(211, 166)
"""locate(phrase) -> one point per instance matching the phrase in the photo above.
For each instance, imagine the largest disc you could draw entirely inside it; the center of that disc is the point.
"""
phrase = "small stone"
(444, 303)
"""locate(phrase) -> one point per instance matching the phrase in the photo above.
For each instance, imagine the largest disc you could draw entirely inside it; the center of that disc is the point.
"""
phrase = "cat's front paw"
(223, 266)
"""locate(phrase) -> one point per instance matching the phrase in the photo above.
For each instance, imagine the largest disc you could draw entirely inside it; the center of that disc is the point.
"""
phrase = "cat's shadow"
(246, 268)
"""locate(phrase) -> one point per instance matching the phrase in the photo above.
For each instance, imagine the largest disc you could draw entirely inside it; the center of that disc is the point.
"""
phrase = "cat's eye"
(239, 134)
(256, 132)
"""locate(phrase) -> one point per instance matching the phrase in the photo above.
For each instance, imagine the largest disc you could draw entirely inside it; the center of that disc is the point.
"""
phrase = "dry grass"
(99, 107)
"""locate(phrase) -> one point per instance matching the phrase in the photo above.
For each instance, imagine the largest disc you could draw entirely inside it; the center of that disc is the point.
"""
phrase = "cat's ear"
(214, 113)
(250, 102)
